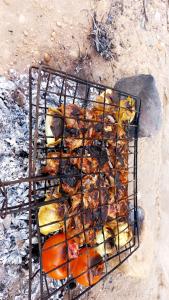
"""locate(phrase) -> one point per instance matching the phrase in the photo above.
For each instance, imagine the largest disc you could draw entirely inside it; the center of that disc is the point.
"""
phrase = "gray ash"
(14, 152)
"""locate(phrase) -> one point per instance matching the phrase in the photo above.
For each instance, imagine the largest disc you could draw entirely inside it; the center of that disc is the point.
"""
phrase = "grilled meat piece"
(69, 177)
(52, 165)
(93, 160)
(90, 182)
(69, 174)
(97, 197)
(118, 209)
(73, 116)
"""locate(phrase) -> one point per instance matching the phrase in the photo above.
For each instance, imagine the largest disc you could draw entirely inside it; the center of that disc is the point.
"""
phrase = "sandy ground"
(29, 29)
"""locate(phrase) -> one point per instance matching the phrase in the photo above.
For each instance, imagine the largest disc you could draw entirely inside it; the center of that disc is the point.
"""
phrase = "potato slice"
(53, 126)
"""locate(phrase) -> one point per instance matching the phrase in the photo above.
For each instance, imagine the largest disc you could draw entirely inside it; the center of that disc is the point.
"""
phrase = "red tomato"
(88, 258)
(54, 255)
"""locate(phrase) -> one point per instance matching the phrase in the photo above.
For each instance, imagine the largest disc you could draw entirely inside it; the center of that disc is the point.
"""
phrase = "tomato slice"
(88, 258)
(54, 254)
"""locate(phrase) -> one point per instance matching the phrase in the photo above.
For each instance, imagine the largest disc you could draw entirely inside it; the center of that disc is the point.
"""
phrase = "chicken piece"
(98, 197)
(123, 176)
(69, 174)
(90, 182)
(83, 237)
(52, 166)
(81, 218)
(75, 224)
(71, 190)
(70, 177)
(72, 143)
(73, 116)
(93, 160)
(87, 164)
(118, 209)
(53, 126)
(118, 155)
(76, 127)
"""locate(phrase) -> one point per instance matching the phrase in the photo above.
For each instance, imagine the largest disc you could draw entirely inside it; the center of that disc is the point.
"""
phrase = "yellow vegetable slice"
(47, 214)
(107, 97)
(126, 112)
(51, 213)
(53, 130)
(123, 234)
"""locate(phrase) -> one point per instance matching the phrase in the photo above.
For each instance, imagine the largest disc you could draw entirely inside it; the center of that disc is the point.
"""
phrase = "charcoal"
(144, 87)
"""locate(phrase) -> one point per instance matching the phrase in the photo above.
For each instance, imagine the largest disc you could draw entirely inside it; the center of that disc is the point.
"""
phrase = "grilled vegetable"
(105, 97)
(126, 112)
(55, 255)
(105, 241)
(53, 126)
(123, 234)
(52, 213)
(88, 267)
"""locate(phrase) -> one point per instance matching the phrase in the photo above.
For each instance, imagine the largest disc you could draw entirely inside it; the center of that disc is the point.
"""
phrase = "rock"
(19, 97)
(144, 87)
(46, 57)
(25, 33)
(53, 34)
(58, 24)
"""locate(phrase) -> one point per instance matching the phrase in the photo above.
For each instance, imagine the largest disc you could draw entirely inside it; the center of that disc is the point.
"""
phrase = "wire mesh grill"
(82, 182)
(89, 163)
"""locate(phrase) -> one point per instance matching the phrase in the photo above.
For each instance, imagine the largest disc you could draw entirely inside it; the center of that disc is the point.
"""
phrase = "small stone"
(52, 39)
(53, 34)
(36, 52)
(19, 97)
(58, 24)
(47, 57)
(74, 53)
(25, 33)
(144, 87)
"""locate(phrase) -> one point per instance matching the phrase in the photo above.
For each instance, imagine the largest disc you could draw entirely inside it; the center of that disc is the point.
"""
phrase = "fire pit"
(82, 182)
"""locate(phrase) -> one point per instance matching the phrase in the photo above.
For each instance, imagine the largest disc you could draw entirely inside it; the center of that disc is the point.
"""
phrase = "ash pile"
(14, 229)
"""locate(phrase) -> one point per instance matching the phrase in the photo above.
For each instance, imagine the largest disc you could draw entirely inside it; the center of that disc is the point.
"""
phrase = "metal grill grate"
(93, 180)
(75, 99)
